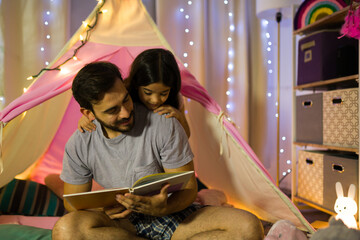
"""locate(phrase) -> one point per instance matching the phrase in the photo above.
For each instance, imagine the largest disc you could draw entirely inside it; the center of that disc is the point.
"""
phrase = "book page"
(95, 199)
(152, 184)
(157, 176)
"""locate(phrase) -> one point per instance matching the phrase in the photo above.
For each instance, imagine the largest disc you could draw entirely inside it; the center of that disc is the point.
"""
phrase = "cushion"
(21, 232)
(29, 198)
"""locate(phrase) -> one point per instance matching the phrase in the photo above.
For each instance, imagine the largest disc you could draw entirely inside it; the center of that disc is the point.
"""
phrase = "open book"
(146, 186)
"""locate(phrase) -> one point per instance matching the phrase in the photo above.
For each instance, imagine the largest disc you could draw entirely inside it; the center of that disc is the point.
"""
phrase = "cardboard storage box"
(322, 56)
(311, 176)
(309, 118)
(341, 168)
(341, 118)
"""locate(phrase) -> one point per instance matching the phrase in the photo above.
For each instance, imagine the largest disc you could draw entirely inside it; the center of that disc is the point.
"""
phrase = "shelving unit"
(334, 21)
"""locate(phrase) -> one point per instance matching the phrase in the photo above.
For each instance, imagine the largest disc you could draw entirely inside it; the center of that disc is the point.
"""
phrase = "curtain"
(207, 24)
(33, 34)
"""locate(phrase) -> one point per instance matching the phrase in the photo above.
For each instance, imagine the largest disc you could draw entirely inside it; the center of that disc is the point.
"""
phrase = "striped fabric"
(160, 228)
(29, 198)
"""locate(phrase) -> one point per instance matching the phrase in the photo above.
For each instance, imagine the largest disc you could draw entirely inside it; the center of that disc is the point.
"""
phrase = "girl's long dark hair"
(152, 66)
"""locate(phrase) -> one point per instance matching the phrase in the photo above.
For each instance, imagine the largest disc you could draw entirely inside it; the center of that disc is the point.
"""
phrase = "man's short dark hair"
(93, 81)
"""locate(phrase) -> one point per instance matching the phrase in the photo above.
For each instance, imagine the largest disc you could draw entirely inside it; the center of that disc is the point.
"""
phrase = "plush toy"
(346, 207)
(285, 230)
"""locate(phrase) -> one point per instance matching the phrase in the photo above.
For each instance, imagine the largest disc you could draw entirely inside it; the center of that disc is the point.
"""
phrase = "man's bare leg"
(92, 225)
(220, 223)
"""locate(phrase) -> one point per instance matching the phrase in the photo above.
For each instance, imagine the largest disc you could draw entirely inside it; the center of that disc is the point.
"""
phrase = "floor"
(316, 218)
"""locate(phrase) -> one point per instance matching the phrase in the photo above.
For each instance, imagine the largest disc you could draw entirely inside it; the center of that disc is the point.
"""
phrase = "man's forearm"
(181, 200)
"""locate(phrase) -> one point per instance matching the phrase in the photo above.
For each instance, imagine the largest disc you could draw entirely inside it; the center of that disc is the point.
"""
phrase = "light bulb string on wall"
(83, 42)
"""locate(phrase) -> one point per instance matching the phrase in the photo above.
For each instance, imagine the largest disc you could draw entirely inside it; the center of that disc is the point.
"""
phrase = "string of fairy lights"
(185, 11)
(271, 75)
(84, 38)
(230, 55)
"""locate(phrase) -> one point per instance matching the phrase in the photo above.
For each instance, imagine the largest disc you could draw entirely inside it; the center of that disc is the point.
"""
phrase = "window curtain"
(206, 24)
(33, 32)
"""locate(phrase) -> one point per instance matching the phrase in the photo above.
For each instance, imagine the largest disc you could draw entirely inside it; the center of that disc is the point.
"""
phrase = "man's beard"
(114, 127)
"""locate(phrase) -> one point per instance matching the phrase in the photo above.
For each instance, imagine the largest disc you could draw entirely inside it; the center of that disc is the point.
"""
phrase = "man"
(129, 143)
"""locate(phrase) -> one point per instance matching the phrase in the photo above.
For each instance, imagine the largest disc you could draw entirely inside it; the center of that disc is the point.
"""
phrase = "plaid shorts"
(160, 228)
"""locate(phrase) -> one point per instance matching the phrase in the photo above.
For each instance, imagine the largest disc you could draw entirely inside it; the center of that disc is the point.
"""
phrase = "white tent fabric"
(39, 122)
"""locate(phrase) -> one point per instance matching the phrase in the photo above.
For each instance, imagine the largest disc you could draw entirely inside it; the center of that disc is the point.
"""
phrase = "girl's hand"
(169, 111)
(86, 124)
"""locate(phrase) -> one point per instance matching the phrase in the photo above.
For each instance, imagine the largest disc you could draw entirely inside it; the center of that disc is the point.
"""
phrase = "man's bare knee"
(65, 226)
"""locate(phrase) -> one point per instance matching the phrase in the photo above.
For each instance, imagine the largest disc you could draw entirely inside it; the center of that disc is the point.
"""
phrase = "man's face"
(115, 111)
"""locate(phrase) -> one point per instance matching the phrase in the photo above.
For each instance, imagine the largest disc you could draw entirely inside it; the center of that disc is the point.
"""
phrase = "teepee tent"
(39, 123)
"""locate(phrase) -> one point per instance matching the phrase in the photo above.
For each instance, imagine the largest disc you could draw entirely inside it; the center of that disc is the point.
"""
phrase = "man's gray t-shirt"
(154, 143)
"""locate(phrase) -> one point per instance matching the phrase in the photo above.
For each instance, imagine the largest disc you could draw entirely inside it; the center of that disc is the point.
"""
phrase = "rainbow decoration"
(312, 10)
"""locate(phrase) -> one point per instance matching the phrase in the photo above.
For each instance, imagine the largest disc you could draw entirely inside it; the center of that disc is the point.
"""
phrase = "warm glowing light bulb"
(104, 11)
(24, 90)
(81, 38)
(231, 53)
(85, 24)
(186, 65)
(64, 71)
(75, 58)
(30, 78)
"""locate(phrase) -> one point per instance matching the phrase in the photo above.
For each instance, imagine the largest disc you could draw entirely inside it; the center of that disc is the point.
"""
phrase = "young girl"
(154, 80)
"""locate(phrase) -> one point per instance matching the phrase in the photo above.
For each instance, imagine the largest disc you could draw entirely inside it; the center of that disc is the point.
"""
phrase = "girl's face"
(153, 95)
